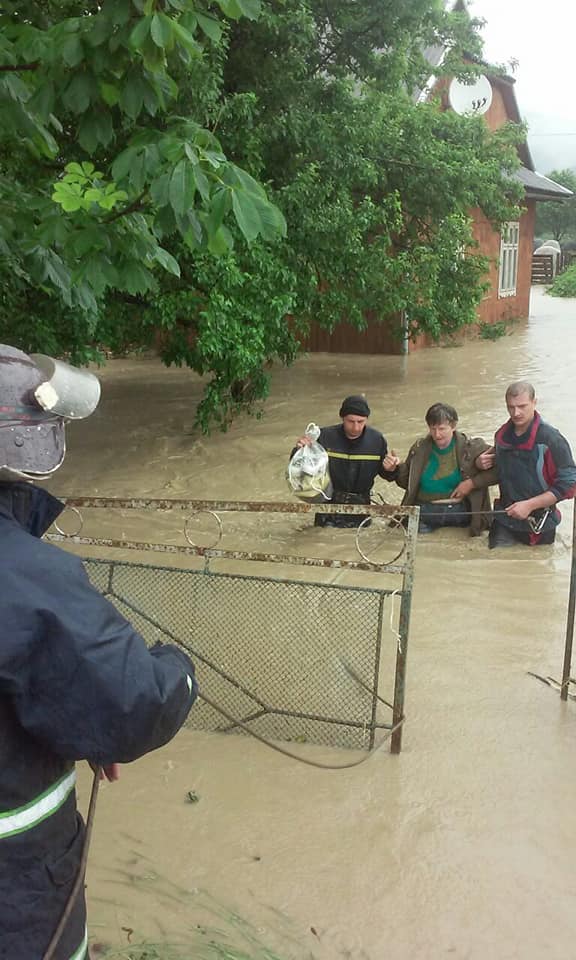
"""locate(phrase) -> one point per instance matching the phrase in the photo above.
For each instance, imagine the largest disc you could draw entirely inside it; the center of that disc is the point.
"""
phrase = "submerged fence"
(292, 659)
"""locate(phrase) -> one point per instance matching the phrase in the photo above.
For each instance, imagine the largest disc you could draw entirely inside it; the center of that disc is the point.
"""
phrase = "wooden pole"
(570, 619)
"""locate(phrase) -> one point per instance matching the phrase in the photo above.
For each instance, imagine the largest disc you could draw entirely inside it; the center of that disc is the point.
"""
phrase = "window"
(508, 259)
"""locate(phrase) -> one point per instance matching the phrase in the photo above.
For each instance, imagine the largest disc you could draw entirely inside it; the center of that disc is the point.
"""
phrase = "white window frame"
(509, 255)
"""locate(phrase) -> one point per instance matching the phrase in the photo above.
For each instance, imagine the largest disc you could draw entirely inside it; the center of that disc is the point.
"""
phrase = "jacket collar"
(31, 507)
(507, 430)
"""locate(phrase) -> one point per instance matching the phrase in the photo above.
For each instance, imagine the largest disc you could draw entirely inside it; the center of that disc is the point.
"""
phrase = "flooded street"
(462, 846)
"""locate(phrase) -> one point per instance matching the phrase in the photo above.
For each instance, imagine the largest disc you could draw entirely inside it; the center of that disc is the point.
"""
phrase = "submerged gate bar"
(297, 660)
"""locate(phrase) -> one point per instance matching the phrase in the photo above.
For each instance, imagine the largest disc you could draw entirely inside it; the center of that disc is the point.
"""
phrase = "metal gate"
(292, 659)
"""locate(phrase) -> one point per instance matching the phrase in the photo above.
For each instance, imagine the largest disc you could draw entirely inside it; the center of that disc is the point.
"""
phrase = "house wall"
(493, 308)
(377, 338)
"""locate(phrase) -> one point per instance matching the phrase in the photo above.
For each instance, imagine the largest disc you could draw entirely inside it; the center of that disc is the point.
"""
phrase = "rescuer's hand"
(110, 772)
(390, 461)
(520, 510)
(486, 460)
(304, 441)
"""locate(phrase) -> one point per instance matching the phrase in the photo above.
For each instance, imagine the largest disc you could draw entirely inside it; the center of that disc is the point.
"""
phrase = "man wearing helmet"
(76, 680)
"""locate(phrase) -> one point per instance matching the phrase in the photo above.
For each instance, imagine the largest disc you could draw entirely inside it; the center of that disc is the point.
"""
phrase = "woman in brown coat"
(442, 476)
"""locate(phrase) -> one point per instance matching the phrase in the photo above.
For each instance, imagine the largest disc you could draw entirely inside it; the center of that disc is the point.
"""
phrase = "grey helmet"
(37, 396)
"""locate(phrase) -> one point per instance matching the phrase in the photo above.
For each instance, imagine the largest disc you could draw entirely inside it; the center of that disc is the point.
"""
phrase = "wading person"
(535, 469)
(442, 476)
(357, 454)
(76, 680)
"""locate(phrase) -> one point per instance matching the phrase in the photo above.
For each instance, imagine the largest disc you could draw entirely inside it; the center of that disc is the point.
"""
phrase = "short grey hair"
(441, 413)
(518, 387)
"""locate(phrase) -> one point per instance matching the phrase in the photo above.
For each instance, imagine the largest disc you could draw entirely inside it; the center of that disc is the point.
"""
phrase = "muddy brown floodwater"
(463, 846)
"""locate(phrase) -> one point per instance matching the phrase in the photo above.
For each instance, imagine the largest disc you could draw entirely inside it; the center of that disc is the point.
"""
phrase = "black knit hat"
(355, 406)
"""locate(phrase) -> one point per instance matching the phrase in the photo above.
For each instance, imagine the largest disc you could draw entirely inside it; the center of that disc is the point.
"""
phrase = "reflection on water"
(462, 846)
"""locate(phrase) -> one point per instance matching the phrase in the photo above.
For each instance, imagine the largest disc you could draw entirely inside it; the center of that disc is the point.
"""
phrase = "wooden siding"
(493, 308)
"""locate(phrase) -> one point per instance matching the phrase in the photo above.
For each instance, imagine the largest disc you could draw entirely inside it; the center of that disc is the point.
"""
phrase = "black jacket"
(354, 464)
(76, 682)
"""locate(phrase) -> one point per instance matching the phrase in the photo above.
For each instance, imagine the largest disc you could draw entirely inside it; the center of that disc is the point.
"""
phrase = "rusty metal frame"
(405, 569)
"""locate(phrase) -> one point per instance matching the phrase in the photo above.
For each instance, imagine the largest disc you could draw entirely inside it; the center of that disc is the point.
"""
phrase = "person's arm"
(474, 475)
(92, 690)
(560, 467)
(388, 463)
(402, 472)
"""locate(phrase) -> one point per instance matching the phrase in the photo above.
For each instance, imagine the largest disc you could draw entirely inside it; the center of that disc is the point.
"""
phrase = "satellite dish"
(468, 99)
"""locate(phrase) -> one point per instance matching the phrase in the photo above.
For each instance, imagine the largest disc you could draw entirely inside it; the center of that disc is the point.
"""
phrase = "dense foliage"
(125, 222)
(565, 284)
(556, 220)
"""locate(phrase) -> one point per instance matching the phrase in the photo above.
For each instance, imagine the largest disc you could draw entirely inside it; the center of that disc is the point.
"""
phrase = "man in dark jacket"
(357, 455)
(535, 469)
(76, 680)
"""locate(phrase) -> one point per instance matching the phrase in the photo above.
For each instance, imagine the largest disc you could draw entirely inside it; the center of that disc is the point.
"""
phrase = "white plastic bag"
(308, 471)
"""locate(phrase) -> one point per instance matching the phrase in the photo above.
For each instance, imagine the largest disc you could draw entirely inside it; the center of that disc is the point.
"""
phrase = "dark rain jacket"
(409, 474)
(76, 682)
(542, 462)
(354, 464)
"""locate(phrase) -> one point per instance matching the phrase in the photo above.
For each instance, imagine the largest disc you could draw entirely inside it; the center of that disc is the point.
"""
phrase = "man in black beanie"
(358, 454)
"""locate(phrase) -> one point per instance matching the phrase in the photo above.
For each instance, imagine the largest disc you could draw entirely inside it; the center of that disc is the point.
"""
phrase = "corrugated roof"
(539, 187)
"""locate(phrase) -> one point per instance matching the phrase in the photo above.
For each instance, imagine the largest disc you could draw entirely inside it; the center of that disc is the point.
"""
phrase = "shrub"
(493, 331)
(565, 284)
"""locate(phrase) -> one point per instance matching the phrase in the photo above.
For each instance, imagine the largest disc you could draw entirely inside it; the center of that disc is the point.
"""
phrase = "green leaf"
(159, 190)
(247, 214)
(140, 32)
(110, 94)
(271, 218)
(167, 261)
(202, 182)
(240, 8)
(250, 8)
(132, 96)
(236, 175)
(42, 102)
(210, 27)
(56, 271)
(161, 31)
(123, 163)
(182, 187)
(88, 133)
(72, 51)
(185, 39)
(135, 278)
(78, 93)
(103, 127)
(67, 198)
(76, 168)
(219, 207)
(220, 242)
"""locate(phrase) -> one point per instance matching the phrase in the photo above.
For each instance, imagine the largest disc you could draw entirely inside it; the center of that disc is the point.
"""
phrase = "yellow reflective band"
(353, 456)
(24, 818)
(189, 682)
(80, 953)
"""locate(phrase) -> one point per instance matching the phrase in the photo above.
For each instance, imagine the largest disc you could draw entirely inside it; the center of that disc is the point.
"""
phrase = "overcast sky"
(541, 37)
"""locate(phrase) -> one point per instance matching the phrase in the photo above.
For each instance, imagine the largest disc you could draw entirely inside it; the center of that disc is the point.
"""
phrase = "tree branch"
(17, 67)
(131, 208)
